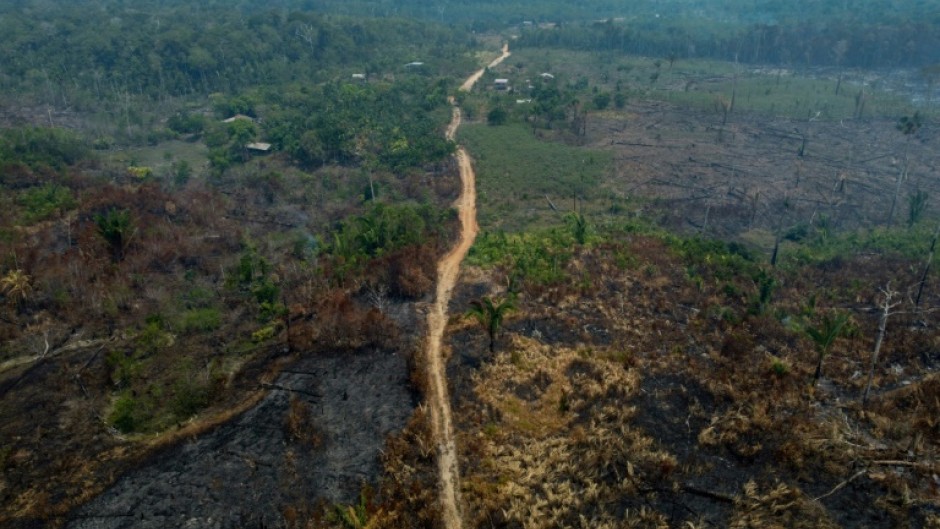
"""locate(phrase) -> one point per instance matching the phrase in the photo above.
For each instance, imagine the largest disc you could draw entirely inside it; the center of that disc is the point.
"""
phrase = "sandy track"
(447, 271)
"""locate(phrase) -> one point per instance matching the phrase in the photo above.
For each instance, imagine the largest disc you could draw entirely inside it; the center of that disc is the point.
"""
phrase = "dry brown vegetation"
(110, 355)
(663, 396)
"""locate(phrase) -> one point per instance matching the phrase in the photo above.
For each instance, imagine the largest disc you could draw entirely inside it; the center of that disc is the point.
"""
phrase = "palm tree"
(116, 228)
(490, 313)
(579, 226)
(824, 335)
(16, 285)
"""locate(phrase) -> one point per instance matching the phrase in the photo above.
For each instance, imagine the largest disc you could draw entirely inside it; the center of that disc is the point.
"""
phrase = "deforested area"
(394, 264)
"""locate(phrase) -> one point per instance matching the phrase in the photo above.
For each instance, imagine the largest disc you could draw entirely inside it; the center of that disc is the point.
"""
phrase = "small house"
(547, 76)
(501, 84)
(415, 64)
(359, 77)
(259, 147)
(238, 117)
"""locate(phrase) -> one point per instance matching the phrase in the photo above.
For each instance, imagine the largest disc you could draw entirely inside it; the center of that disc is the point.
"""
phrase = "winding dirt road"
(447, 271)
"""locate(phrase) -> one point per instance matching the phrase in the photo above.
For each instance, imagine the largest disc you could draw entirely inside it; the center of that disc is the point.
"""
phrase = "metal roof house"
(238, 117)
(259, 147)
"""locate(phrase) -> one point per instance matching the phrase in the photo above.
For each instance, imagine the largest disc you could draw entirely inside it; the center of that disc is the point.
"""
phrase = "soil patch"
(761, 172)
(246, 471)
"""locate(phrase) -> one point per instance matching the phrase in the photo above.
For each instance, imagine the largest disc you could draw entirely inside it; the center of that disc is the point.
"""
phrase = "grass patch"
(515, 170)
(822, 246)
(42, 202)
(699, 83)
(165, 158)
(205, 319)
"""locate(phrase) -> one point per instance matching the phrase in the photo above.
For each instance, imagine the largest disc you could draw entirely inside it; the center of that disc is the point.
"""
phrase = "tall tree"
(489, 313)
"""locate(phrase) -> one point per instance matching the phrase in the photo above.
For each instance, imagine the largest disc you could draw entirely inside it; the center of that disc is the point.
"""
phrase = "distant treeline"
(855, 33)
(73, 54)
(910, 43)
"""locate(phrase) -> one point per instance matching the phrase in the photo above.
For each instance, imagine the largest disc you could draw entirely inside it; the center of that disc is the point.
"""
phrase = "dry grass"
(666, 413)
(562, 452)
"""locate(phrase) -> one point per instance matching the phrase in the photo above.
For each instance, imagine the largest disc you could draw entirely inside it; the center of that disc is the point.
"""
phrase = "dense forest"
(703, 293)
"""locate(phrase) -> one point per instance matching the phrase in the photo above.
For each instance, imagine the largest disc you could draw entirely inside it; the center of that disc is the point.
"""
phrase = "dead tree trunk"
(897, 191)
(886, 307)
(923, 277)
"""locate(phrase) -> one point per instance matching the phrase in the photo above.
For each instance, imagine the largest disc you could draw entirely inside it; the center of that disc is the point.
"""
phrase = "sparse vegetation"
(685, 218)
(490, 313)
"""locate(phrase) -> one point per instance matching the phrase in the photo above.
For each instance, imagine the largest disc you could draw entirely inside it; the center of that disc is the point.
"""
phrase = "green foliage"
(917, 205)
(125, 415)
(723, 261)
(808, 34)
(189, 396)
(527, 170)
(765, 283)
(620, 100)
(116, 227)
(253, 277)
(187, 123)
(384, 228)
(181, 172)
(226, 107)
(44, 201)
(908, 125)
(264, 334)
(538, 257)
(909, 243)
(353, 516)
(122, 53)
(490, 313)
(124, 368)
(393, 127)
(779, 367)
(38, 147)
(205, 319)
(579, 226)
(831, 326)
(497, 116)
(227, 143)
(601, 100)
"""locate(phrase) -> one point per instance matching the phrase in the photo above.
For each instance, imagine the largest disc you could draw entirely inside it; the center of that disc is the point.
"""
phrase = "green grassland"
(701, 83)
(164, 158)
(516, 171)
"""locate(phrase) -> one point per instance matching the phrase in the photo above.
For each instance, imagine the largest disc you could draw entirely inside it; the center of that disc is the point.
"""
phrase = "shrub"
(42, 202)
(497, 116)
(116, 228)
(189, 396)
(125, 414)
(41, 146)
(200, 320)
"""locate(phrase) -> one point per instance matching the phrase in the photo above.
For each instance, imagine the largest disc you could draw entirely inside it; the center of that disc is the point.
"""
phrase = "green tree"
(579, 226)
(116, 227)
(917, 205)
(490, 313)
(497, 116)
(824, 335)
(601, 100)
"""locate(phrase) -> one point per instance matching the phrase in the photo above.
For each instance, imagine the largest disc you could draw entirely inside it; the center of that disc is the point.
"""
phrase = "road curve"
(447, 270)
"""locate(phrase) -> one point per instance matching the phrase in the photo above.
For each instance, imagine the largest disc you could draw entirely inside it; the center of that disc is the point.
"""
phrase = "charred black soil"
(315, 437)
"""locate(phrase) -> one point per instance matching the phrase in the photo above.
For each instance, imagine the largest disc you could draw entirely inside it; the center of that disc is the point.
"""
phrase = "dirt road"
(447, 270)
